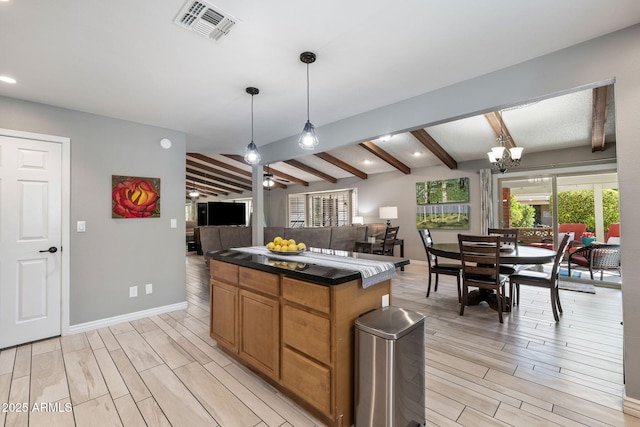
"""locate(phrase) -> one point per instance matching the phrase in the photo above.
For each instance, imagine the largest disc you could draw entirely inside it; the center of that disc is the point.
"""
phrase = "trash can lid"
(389, 322)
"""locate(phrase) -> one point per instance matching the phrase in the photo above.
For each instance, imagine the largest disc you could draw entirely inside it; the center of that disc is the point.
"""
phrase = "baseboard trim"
(631, 406)
(110, 321)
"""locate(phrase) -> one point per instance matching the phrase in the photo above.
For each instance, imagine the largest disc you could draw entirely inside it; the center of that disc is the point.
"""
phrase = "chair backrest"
(562, 247)
(480, 255)
(508, 236)
(427, 242)
(576, 228)
(605, 256)
(390, 240)
(613, 232)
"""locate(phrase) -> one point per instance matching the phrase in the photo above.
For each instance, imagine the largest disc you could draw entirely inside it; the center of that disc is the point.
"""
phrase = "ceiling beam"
(342, 165)
(274, 172)
(216, 179)
(599, 117)
(218, 172)
(219, 163)
(223, 188)
(371, 147)
(495, 120)
(437, 150)
(309, 169)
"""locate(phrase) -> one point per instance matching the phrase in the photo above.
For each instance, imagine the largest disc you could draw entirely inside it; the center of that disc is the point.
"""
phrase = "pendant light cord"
(308, 92)
(251, 118)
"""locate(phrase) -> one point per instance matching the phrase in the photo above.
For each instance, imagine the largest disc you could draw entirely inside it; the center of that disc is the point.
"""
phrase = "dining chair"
(541, 280)
(436, 268)
(508, 237)
(480, 257)
(389, 241)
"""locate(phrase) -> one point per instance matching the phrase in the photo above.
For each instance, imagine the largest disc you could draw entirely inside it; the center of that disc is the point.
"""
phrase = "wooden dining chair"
(541, 280)
(436, 268)
(508, 237)
(480, 257)
(389, 242)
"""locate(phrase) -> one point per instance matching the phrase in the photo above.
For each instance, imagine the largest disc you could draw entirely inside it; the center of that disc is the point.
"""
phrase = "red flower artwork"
(135, 197)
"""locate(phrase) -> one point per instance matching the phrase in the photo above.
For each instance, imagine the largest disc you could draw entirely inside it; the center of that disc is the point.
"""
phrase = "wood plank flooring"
(166, 371)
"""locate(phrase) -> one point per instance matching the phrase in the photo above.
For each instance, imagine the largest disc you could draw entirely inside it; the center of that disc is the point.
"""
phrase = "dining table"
(512, 255)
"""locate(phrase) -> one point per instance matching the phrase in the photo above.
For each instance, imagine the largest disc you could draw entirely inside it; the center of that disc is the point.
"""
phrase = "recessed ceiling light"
(385, 138)
(367, 162)
(417, 153)
(7, 79)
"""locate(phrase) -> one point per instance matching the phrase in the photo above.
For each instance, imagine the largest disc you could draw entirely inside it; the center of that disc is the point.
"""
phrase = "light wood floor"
(165, 370)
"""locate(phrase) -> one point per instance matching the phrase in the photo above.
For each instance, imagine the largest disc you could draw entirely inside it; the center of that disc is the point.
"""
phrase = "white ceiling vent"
(204, 19)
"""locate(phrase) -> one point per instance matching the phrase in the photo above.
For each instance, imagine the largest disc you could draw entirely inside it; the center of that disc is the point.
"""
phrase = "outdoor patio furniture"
(597, 256)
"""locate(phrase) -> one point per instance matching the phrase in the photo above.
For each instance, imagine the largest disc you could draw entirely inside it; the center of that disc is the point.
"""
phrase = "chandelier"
(502, 158)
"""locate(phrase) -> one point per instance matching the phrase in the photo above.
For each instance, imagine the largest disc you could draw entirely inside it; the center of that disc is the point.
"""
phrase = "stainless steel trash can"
(389, 368)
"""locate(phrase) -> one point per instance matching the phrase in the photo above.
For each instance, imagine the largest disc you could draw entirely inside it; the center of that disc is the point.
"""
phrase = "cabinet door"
(224, 306)
(260, 332)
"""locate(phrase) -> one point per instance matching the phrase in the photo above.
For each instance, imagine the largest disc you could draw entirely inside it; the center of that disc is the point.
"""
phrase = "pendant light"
(308, 139)
(251, 155)
(267, 180)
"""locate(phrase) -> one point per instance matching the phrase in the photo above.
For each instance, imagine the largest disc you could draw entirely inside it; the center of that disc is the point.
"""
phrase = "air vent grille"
(204, 19)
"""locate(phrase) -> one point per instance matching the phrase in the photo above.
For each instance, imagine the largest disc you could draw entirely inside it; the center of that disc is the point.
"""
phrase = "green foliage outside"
(578, 206)
(522, 215)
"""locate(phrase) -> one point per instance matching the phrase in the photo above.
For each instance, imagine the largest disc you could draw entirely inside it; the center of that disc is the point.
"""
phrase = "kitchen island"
(293, 324)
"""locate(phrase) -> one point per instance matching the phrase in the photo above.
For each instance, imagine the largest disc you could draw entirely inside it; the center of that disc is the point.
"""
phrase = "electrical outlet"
(385, 300)
(133, 291)
(148, 288)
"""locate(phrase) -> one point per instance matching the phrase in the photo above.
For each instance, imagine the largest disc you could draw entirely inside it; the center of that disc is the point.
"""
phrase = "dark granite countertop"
(307, 272)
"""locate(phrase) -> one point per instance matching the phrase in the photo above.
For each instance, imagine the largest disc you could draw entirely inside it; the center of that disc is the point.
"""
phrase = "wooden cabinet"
(297, 335)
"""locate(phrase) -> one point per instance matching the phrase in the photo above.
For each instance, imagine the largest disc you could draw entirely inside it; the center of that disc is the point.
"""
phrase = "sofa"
(214, 238)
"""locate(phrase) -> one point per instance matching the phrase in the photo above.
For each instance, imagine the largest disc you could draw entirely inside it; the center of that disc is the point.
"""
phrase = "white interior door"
(30, 240)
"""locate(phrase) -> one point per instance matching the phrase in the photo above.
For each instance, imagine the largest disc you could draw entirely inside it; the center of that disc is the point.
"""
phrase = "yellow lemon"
(284, 248)
(301, 246)
(271, 245)
(292, 242)
(277, 248)
(277, 240)
(293, 247)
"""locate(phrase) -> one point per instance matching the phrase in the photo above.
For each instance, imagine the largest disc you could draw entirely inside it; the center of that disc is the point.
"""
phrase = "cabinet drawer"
(224, 271)
(260, 281)
(307, 294)
(309, 380)
(307, 332)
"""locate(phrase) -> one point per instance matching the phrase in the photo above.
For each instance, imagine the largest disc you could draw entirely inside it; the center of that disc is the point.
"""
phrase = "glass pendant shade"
(308, 139)
(268, 181)
(194, 192)
(516, 153)
(251, 154)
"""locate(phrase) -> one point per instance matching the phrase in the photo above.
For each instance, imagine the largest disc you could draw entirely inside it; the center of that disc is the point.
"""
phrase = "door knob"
(52, 250)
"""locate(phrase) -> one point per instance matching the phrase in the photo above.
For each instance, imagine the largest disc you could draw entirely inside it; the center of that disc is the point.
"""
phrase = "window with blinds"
(322, 209)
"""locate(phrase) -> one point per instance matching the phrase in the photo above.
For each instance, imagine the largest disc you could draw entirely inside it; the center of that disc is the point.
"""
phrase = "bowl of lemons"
(282, 246)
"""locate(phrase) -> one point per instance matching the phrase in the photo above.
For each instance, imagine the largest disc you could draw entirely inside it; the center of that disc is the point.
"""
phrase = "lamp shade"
(388, 212)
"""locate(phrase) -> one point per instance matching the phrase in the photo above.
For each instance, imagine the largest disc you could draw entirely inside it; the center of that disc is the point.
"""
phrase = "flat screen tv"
(225, 213)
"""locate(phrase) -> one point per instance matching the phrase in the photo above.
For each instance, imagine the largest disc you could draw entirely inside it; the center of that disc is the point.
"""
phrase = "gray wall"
(115, 254)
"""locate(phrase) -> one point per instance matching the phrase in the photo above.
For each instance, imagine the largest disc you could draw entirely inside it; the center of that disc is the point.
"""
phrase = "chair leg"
(459, 291)
(558, 300)
(500, 300)
(435, 288)
(554, 301)
(464, 298)
(429, 285)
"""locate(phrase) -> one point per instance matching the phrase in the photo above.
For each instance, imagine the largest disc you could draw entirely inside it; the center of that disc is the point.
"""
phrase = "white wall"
(114, 254)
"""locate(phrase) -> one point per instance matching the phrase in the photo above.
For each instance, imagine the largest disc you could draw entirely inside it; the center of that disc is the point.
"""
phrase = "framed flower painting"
(135, 197)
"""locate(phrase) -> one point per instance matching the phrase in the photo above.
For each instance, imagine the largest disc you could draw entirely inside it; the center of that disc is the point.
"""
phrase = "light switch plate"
(174, 223)
(81, 226)
(148, 288)
(133, 291)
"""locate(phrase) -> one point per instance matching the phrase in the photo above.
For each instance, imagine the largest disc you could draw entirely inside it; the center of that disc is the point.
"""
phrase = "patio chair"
(481, 268)
(389, 242)
(541, 280)
(597, 256)
(436, 267)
